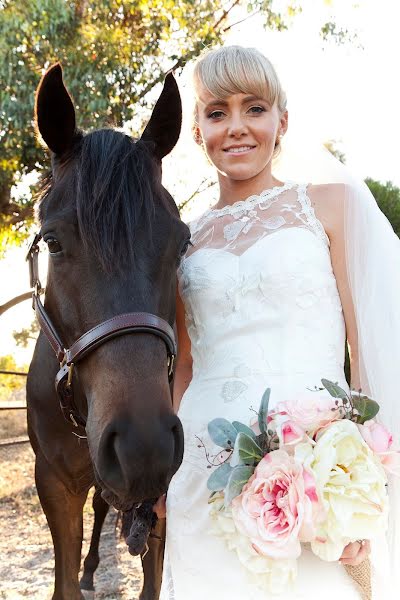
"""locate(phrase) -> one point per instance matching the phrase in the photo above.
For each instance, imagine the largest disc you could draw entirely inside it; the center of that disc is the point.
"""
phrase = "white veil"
(372, 252)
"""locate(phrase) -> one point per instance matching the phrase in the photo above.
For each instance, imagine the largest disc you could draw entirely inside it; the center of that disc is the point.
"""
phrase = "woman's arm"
(183, 368)
(329, 204)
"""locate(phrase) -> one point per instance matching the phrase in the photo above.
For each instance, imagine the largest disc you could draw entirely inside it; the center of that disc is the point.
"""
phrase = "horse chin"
(124, 504)
(113, 500)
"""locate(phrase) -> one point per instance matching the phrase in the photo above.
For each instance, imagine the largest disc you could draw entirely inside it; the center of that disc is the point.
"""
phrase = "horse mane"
(114, 184)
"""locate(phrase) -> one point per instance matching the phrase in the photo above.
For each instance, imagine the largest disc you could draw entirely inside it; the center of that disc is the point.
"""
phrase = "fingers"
(355, 553)
(160, 507)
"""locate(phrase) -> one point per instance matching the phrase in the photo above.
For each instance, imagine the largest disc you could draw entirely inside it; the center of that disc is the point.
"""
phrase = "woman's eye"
(216, 114)
(257, 109)
(53, 245)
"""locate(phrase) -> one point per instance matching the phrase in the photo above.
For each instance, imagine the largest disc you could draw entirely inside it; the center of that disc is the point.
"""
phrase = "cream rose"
(351, 482)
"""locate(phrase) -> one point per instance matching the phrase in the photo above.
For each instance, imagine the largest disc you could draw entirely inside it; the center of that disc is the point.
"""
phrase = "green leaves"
(237, 479)
(263, 412)
(222, 433)
(219, 478)
(366, 408)
(241, 427)
(358, 407)
(334, 389)
(249, 451)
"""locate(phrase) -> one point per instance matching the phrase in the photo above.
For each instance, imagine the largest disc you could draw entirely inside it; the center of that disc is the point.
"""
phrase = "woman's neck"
(231, 191)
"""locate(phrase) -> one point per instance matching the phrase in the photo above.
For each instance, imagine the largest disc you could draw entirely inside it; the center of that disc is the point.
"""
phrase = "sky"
(347, 93)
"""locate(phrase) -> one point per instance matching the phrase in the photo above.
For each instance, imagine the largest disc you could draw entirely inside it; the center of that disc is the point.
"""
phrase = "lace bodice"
(258, 282)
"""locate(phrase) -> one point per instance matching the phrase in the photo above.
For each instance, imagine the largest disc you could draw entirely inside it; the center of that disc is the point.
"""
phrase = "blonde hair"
(238, 70)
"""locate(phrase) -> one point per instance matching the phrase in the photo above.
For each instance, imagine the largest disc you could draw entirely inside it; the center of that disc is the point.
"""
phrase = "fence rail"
(22, 439)
(19, 373)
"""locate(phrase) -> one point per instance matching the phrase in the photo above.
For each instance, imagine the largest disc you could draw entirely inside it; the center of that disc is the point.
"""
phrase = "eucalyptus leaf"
(219, 478)
(334, 389)
(263, 412)
(237, 479)
(249, 450)
(241, 427)
(222, 433)
(366, 407)
(235, 458)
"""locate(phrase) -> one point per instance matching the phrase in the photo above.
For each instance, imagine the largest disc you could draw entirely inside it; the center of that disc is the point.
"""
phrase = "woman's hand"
(160, 507)
(355, 553)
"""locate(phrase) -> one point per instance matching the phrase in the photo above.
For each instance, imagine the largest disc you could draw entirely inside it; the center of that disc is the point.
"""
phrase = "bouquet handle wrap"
(362, 576)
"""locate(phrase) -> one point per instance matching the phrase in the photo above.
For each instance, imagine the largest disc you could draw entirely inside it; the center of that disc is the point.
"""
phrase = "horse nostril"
(108, 459)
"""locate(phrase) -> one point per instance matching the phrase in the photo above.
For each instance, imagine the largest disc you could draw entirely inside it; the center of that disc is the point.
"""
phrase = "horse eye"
(185, 247)
(53, 245)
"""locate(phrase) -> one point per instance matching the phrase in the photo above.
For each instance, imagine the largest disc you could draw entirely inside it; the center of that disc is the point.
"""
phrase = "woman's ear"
(284, 121)
(197, 135)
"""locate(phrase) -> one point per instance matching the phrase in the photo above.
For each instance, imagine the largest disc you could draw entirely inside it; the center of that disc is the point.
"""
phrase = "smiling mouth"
(238, 149)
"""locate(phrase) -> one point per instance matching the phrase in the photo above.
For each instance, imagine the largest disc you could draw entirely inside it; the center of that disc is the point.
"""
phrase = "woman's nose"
(237, 126)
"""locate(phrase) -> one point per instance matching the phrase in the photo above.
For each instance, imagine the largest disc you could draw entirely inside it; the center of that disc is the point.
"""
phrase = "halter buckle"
(73, 420)
(70, 373)
(171, 360)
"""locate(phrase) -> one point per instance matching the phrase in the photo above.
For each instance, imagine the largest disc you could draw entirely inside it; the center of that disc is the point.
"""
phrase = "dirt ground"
(26, 553)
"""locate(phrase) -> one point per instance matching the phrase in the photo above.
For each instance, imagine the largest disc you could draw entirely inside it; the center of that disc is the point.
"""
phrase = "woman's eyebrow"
(253, 99)
(215, 103)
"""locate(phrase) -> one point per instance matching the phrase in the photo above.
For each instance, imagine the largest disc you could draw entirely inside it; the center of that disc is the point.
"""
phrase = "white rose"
(351, 482)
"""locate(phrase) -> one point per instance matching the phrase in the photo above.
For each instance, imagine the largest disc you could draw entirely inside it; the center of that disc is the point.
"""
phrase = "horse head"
(115, 239)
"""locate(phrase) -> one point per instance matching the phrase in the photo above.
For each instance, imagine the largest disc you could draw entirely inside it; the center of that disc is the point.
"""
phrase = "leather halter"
(137, 322)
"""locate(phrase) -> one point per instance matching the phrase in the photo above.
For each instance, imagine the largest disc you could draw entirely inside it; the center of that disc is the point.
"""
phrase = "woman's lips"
(238, 150)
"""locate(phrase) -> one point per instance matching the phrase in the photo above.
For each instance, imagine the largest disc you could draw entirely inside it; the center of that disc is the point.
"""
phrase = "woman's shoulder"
(326, 192)
(328, 201)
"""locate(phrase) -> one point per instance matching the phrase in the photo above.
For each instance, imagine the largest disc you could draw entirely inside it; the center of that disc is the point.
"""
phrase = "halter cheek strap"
(137, 322)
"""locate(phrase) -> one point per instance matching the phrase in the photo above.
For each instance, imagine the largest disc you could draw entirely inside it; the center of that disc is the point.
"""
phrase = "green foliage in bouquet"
(355, 406)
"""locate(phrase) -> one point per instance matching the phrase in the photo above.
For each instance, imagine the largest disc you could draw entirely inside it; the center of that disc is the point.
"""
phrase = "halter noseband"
(137, 322)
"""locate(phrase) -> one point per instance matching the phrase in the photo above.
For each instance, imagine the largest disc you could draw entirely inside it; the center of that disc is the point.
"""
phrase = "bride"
(268, 294)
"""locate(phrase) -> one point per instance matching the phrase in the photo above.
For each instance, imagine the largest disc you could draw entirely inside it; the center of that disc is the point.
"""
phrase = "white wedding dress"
(262, 310)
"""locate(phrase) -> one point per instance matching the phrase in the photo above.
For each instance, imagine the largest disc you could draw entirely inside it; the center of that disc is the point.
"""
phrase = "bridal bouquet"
(313, 470)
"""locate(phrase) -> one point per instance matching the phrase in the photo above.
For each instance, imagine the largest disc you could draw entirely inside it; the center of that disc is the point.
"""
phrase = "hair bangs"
(236, 70)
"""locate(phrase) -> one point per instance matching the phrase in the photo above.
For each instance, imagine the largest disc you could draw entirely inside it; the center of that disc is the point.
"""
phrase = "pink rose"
(378, 438)
(290, 433)
(278, 507)
(310, 411)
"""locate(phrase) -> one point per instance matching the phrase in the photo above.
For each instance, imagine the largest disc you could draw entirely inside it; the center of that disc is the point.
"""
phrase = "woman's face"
(238, 134)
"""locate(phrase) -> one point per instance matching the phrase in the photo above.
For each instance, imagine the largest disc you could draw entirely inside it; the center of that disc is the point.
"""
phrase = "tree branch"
(186, 57)
(198, 190)
(225, 29)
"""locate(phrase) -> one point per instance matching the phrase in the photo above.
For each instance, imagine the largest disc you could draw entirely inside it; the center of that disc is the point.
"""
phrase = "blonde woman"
(265, 300)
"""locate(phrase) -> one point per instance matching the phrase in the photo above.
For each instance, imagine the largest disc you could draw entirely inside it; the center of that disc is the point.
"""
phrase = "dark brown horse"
(114, 239)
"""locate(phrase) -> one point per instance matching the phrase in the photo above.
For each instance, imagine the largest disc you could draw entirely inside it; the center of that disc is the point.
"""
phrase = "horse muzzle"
(133, 464)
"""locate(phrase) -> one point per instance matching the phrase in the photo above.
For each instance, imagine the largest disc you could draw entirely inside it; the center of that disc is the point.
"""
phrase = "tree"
(10, 383)
(388, 198)
(334, 148)
(113, 52)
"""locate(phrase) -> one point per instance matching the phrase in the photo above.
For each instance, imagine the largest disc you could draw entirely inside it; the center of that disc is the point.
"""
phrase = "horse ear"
(54, 111)
(164, 126)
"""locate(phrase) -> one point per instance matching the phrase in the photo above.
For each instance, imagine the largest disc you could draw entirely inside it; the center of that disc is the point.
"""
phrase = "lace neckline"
(250, 201)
